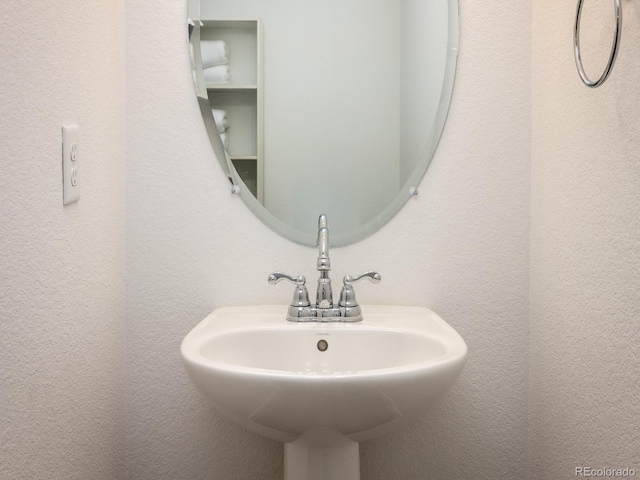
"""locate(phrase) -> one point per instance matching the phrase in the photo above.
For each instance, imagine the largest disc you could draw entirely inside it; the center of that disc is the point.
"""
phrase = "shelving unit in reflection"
(241, 97)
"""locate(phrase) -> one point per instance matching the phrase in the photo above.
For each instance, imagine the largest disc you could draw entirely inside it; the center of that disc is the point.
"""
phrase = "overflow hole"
(323, 345)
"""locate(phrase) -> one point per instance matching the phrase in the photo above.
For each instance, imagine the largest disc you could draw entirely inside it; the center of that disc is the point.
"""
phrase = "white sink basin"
(270, 376)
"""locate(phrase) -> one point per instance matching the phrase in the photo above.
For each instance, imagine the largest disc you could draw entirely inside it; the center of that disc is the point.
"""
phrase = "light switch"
(70, 187)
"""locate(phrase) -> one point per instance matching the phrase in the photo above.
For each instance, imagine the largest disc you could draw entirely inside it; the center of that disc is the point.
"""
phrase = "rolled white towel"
(222, 121)
(214, 52)
(217, 75)
(225, 140)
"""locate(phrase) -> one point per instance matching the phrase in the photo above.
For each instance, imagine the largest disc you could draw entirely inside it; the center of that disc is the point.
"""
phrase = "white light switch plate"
(70, 187)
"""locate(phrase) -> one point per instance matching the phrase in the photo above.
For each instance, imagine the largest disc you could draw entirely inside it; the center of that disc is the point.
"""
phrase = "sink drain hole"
(323, 345)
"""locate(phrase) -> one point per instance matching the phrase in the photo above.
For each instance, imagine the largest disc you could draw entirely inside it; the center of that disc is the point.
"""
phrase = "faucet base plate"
(333, 314)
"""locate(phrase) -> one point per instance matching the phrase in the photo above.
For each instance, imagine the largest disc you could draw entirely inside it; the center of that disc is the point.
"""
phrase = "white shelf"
(231, 24)
(228, 87)
(242, 97)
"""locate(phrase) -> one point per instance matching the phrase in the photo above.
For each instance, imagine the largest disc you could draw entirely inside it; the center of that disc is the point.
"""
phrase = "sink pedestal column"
(328, 460)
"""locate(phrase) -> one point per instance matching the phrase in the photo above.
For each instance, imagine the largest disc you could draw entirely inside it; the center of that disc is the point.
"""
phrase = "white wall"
(585, 245)
(62, 298)
(460, 248)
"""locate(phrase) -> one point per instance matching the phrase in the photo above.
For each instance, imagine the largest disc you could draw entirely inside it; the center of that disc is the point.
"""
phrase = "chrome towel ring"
(614, 47)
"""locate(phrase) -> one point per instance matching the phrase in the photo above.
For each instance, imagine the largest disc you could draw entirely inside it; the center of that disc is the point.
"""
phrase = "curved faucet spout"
(322, 221)
(324, 263)
(324, 295)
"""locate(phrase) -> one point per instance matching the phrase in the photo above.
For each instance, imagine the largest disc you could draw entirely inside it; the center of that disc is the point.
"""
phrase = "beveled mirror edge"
(368, 229)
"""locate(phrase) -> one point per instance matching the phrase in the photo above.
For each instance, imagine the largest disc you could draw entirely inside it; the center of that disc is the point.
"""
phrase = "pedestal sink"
(321, 388)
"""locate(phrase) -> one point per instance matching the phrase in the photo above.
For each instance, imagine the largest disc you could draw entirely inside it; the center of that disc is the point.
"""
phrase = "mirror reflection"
(324, 107)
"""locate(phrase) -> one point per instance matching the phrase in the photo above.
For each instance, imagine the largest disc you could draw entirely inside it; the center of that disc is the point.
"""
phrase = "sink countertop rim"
(228, 320)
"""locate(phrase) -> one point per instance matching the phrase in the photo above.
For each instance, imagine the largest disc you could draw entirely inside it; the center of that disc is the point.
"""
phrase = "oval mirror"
(332, 106)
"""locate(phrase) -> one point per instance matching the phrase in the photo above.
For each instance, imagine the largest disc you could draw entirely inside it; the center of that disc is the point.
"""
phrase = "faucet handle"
(277, 277)
(374, 277)
(300, 293)
(348, 294)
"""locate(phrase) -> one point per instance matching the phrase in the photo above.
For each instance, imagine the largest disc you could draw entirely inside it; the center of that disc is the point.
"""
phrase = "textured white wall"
(585, 245)
(460, 248)
(62, 269)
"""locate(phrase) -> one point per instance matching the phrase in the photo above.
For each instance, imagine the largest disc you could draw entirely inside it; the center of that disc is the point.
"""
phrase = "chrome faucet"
(301, 310)
(324, 294)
